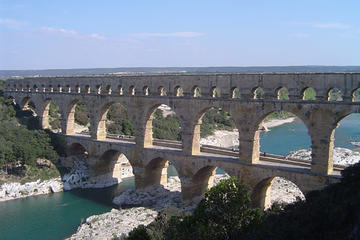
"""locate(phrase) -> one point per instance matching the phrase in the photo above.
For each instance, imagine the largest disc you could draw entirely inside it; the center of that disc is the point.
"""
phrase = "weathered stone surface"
(142, 94)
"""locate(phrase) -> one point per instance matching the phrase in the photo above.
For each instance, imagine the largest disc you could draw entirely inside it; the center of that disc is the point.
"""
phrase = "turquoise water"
(54, 216)
(293, 136)
(58, 215)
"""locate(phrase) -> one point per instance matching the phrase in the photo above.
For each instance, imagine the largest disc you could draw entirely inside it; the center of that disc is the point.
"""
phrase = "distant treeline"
(99, 71)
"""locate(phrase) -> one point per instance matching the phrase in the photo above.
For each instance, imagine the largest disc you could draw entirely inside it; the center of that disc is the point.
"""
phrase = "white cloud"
(72, 33)
(97, 36)
(11, 23)
(174, 34)
(331, 25)
(59, 30)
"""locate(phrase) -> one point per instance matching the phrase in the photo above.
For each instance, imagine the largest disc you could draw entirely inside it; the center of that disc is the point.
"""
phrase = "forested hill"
(97, 71)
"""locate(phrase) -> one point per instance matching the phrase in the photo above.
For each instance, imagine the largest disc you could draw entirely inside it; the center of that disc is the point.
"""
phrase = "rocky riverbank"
(342, 156)
(228, 139)
(114, 224)
(78, 177)
(10, 191)
(118, 223)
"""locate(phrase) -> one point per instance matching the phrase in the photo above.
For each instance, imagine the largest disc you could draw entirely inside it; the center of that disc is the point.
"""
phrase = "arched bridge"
(190, 96)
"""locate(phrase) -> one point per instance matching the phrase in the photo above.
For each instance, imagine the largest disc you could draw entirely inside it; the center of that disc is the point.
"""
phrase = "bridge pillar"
(97, 128)
(322, 150)
(191, 139)
(150, 176)
(67, 124)
(193, 187)
(249, 146)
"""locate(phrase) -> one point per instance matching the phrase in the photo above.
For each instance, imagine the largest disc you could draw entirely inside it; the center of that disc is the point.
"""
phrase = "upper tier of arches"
(239, 86)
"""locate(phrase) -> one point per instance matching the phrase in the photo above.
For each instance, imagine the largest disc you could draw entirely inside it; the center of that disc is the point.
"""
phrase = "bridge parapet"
(169, 84)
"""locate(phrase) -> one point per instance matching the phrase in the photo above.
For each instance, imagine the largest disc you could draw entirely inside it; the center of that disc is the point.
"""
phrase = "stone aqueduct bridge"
(142, 94)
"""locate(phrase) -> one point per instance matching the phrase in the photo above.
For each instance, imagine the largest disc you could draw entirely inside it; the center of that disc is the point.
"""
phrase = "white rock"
(342, 156)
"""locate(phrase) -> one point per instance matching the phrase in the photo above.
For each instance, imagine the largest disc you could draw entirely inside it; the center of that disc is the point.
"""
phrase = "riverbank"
(229, 139)
(119, 222)
(276, 122)
(77, 177)
(342, 156)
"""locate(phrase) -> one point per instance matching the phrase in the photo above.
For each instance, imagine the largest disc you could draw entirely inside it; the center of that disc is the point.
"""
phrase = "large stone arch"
(261, 192)
(256, 125)
(76, 148)
(107, 168)
(196, 121)
(99, 130)
(148, 122)
(44, 112)
(67, 111)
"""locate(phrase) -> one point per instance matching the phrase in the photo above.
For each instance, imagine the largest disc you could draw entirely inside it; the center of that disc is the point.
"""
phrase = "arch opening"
(117, 120)
(132, 90)
(51, 118)
(284, 136)
(111, 168)
(162, 91)
(178, 91)
(282, 94)
(77, 118)
(258, 93)
(206, 178)
(215, 92)
(308, 93)
(77, 149)
(217, 128)
(146, 91)
(334, 94)
(346, 146)
(235, 93)
(196, 92)
(275, 190)
(163, 125)
(356, 95)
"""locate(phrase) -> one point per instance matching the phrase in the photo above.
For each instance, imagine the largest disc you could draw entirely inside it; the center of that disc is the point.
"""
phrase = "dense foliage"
(20, 146)
(118, 121)
(226, 213)
(166, 127)
(81, 114)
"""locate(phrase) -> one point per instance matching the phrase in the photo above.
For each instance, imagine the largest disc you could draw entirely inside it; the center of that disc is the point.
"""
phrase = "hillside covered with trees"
(22, 143)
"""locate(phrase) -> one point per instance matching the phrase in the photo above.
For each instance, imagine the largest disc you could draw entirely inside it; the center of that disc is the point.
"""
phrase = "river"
(56, 216)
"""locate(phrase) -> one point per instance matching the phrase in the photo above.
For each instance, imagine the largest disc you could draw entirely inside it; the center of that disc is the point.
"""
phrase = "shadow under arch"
(275, 189)
(76, 149)
(205, 178)
(112, 166)
(161, 122)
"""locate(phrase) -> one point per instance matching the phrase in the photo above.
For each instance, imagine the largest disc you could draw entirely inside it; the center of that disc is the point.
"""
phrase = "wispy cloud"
(325, 25)
(97, 36)
(173, 34)
(72, 33)
(59, 30)
(331, 25)
(12, 23)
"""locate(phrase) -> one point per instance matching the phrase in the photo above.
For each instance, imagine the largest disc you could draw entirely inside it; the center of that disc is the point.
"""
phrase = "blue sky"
(86, 34)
